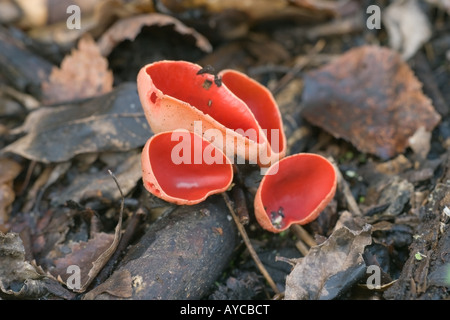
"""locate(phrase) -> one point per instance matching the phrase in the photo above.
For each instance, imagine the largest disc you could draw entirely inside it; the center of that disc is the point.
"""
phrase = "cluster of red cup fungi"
(203, 121)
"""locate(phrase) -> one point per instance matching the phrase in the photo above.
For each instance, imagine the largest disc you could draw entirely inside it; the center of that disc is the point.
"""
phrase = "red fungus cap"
(183, 168)
(176, 95)
(263, 106)
(303, 186)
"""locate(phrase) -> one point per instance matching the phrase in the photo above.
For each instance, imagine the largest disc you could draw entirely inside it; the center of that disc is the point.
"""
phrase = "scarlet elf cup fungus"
(179, 175)
(303, 186)
(218, 117)
(239, 114)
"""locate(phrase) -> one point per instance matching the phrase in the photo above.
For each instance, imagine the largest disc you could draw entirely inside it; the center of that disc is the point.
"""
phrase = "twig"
(302, 247)
(250, 248)
(123, 241)
(291, 261)
(122, 202)
(336, 27)
(303, 235)
(240, 204)
(27, 178)
(298, 67)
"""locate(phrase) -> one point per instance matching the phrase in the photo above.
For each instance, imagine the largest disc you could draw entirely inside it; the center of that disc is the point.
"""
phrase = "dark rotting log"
(182, 254)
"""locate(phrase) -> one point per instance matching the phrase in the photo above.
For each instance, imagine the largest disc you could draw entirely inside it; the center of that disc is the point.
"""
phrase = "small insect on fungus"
(207, 69)
(210, 70)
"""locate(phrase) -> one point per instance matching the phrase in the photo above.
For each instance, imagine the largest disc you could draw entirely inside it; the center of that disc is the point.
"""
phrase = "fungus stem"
(250, 248)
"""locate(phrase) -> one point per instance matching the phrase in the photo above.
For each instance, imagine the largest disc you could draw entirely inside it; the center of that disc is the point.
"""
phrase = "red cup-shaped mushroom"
(297, 193)
(263, 106)
(183, 168)
(179, 95)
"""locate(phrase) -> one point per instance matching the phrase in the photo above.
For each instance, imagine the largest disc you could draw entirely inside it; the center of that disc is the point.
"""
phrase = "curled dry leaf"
(96, 17)
(330, 267)
(129, 28)
(89, 256)
(111, 122)
(83, 74)
(84, 255)
(9, 170)
(85, 184)
(370, 97)
(20, 278)
(119, 286)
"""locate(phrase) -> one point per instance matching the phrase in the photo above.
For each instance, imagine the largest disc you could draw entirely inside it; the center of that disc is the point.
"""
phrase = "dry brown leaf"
(330, 267)
(111, 122)
(90, 257)
(83, 74)
(20, 279)
(96, 17)
(370, 97)
(87, 256)
(14, 269)
(9, 170)
(83, 255)
(129, 28)
(119, 286)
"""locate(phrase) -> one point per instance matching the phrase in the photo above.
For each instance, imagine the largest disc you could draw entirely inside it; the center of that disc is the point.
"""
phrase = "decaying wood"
(181, 254)
(425, 274)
